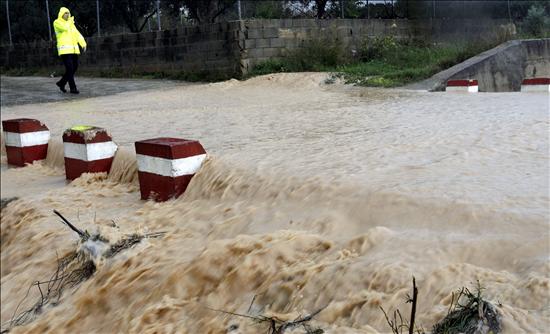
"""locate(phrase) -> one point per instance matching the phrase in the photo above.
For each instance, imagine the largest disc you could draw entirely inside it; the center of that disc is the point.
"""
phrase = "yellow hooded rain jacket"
(68, 37)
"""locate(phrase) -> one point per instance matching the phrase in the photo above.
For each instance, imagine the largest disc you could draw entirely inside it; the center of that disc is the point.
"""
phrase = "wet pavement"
(24, 90)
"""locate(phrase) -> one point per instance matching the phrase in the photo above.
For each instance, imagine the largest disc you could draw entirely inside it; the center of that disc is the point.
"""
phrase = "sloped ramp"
(500, 69)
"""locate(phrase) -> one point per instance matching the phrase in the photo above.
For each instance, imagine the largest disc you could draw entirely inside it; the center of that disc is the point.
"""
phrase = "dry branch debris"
(469, 313)
(278, 326)
(397, 323)
(72, 270)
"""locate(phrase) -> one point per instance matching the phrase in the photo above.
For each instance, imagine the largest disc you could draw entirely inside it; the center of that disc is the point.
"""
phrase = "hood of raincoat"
(62, 11)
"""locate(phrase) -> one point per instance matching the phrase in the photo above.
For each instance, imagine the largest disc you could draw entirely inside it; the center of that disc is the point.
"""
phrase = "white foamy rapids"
(329, 197)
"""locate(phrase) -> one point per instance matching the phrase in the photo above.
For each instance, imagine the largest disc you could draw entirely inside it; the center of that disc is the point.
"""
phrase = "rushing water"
(314, 195)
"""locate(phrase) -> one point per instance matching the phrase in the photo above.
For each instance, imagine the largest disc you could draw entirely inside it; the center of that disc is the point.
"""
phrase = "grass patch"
(403, 64)
(379, 62)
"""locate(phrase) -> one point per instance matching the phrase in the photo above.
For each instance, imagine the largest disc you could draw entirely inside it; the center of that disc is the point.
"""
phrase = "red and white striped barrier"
(166, 166)
(87, 149)
(26, 140)
(536, 85)
(469, 86)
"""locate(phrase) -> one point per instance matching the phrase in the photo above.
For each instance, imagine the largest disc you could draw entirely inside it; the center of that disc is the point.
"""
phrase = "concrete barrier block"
(466, 85)
(87, 149)
(166, 166)
(535, 85)
(26, 140)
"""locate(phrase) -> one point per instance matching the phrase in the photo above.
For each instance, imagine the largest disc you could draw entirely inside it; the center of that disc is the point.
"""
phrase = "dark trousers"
(71, 65)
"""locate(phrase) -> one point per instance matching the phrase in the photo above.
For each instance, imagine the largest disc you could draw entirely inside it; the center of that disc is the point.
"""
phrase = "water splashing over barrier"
(443, 193)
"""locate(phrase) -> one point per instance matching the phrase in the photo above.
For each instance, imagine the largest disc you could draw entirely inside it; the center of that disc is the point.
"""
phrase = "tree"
(134, 13)
(28, 21)
(536, 22)
(207, 11)
(319, 6)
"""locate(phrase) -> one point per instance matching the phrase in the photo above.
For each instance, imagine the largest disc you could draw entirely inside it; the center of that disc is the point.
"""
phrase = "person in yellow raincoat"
(69, 42)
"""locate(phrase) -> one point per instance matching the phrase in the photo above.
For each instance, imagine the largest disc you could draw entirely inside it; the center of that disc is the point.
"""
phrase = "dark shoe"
(74, 92)
(61, 87)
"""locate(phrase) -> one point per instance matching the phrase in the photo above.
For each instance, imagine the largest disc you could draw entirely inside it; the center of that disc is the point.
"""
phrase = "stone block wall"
(194, 49)
(231, 49)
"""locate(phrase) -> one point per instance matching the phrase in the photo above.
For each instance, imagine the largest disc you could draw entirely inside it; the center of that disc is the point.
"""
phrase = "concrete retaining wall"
(500, 69)
(231, 49)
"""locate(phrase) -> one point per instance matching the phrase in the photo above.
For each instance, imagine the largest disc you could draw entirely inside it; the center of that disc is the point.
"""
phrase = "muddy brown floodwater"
(313, 195)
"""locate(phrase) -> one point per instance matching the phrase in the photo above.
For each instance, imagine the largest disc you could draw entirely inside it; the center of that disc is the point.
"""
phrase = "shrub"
(270, 66)
(377, 47)
(536, 23)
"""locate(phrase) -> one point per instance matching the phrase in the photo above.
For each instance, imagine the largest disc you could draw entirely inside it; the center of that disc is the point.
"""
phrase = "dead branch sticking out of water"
(468, 313)
(83, 235)
(72, 270)
(397, 323)
(474, 316)
(278, 326)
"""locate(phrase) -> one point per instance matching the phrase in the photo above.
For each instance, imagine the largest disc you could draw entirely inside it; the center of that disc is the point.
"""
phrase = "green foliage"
(268, 10)
(537, 22)
(270, 66)
(382, 61)
(377, 47)
(28, 20)
(133, 13)
(205, 11)
(321, 54)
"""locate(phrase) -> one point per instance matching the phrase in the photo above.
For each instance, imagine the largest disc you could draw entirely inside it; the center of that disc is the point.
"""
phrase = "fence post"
(49, 23)
(158, 14)
(8, 17)
(239, 9)
(97, 14)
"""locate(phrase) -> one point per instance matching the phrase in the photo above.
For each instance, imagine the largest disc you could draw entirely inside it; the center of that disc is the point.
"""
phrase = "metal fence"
(28, 20)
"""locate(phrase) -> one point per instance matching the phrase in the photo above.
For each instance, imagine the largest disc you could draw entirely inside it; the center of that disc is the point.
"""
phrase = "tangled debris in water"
(276, 325)
(470, 314)
(73, 269)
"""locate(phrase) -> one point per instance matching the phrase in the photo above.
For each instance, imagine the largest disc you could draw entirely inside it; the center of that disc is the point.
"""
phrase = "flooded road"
(314, 195)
